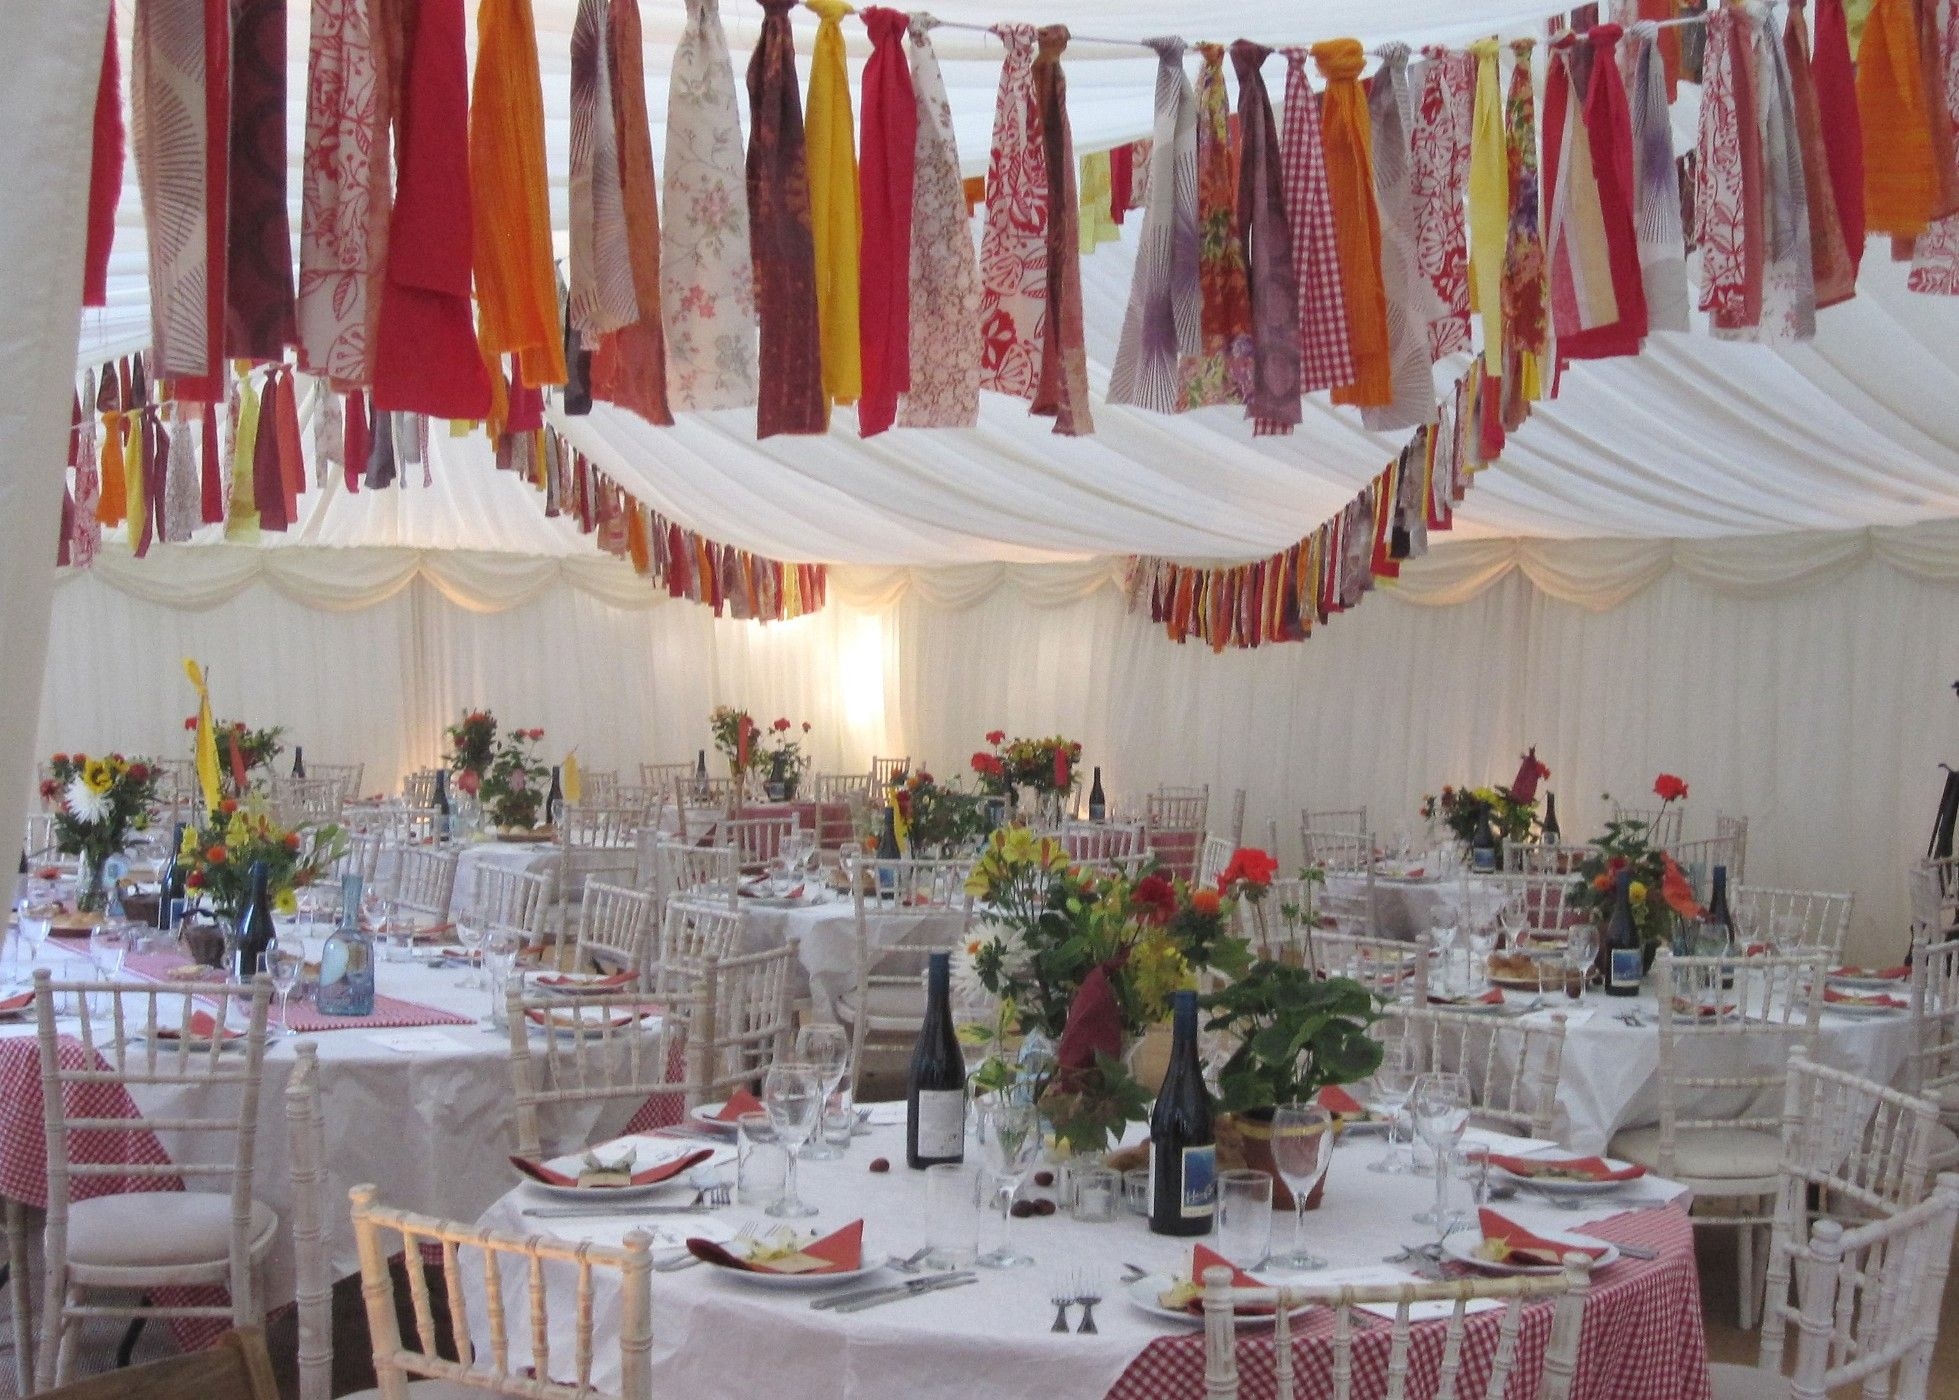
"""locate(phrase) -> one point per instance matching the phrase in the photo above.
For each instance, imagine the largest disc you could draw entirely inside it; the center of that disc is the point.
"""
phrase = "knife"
(912, 1290)
(593, 1212)
(917, 1285)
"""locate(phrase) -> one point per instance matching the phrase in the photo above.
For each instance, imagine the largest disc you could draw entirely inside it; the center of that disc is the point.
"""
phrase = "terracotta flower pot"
(1255, 1132)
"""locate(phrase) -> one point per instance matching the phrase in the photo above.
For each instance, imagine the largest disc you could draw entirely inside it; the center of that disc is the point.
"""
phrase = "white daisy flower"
(966, 982)
(84, 804)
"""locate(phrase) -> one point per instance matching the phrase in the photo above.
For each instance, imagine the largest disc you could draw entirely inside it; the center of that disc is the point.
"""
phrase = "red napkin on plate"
(844, 1249)
(1529, 1248)
(1685, 1006)
(1338, 1101)
(1202, 1258)
(1831, 994)
(203, 1026)
(739, 1102)
(1493, 997)
(1887, 974)
(1594, 1168)
(537, 1171)
(600, 984)
(17, 1003)
(566, 1020)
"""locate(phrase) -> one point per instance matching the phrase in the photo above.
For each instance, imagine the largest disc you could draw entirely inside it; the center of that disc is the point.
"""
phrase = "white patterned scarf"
(1656, 184)
(1163, 325)
(945, 282)
(602, 295)
(1013, 247)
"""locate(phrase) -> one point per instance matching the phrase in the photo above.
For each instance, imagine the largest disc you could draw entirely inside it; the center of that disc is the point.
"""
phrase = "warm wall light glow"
(860, 679)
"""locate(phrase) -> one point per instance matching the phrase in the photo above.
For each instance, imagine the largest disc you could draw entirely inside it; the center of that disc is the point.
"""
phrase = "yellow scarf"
(241, 520)
(832, 149)
(1489, 199)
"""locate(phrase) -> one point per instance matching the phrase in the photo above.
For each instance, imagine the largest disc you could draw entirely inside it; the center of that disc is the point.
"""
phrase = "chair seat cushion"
(1747, 1383)
(1705, 1153)
(159, 1230)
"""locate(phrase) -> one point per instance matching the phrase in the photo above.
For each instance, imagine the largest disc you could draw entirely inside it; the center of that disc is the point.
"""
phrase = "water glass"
(282, 962)
(794, 1094)
(952, 1215)
(839, 1119)
(1244, 1217)
(1393, 1078)
(500, 965)
(1440, 1104)
(1098, 1193)
(825, 1045)
(1581, 947)
(761, 1162)
(1136, 1190)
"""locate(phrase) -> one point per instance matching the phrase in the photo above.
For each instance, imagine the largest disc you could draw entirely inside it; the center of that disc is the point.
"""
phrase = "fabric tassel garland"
(211, 467)
(1061, 386)
(1656, 206)
(1606, 131)
(106, 152)
(1727, 193)
(1345, 132)
(834, 227)
(602, 296)
(1788, 283)
(259, 322)
(1161, 328)
(1902, 184)
(1831, 270)
(1489, 198)
(1014, 243)
(891, 146)
(1935, 257)
(1843, 136)
(1325, 348)
(167, 88)
(791, 397)
(1410, 299)
(1439, 180)
(944, 311)
(1273, 402)
(1222, 372)
(1526, 293)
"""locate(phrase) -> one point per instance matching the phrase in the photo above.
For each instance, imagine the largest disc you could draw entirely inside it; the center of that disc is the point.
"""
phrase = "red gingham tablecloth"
(1642, 1338)
(390, 1013)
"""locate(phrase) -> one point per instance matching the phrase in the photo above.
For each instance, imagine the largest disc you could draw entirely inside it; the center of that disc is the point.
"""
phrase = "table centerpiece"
(245, 754)
(1047, 770)
(1507, 811)
(1660, 892)
(217, 857)
(935, 819)
(782, 760)
(96, 803)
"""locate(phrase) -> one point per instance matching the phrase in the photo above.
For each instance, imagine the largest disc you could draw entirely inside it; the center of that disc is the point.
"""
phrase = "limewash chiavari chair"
(1513, 1065)
(702, 873)
(838, 787)
(1178, 809)
(598, 786)
(1663, 825)
(1868, 1313)
(1238, 821)
(1552, 1380)
(1334, 819)
(37, 842)
(1541, 898)
(691, 796)
(1212, 857)
(600, 1047)
(1337, 852)
(757, 841)
(347, 777)
(1932, 1062)
(313, 1283)
(1852, 1150)
(362, 856)
(1735, 831)
(425, 883)
(1697, 859)
(98, 1251)
(514, 901)
(742, 1018)
(1099, 843)
(1792, 919)
(927, 907)
(1934, 889)
(1538, 858)
(512, 1267)
(1392, 969)
(886, 771)
(615, 929)
(662, 775)
(691, 932)
(418, 788)
(1727, 1027)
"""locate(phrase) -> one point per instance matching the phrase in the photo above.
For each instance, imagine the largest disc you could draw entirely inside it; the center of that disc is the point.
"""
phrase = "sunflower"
(97, 776)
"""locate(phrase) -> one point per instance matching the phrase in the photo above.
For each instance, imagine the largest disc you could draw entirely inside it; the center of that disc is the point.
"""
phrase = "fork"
(1088, 1295)
(687, 1261)
(1061, 1299)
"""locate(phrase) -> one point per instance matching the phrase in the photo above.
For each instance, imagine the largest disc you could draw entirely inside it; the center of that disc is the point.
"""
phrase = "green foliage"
(1295, 1033)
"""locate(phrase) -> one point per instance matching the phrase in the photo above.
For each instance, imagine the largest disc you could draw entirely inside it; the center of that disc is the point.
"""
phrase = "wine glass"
(1302, 1145)
(500, 947)
(282, 962)
(108, 945)
(1440, 1107)
(34, 918)
(1393, 1078)
(1443, 938)
(469, 933)
(1581, 947)
(1009, 1132)
(793, 1095)
(827, 1046)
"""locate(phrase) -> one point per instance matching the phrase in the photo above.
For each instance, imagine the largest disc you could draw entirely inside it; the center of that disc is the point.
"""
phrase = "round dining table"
(821, 924)
(717, 1332)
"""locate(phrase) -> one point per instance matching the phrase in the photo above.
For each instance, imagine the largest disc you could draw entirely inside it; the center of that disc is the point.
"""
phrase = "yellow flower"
(96, 776)
(237, 831)
(1636, 892)
(285, 902)
(190, 845)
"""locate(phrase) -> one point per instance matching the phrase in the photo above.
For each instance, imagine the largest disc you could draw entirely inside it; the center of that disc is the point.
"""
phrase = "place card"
(419, 1042)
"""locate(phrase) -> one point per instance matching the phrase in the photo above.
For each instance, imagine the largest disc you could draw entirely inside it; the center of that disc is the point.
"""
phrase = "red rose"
(215, 855)
(79, 759)
(292, 840)
(469, 781)
(228, 806)
(194, 880)
(984, 763)
(1615, 865)
(996, 736)
(1154, 898)
(1205, 902)
(190, 721)
(1668, 788)
(781, 725)
(50, 789)
(59, 758)
(1249, 864)
(139, 772)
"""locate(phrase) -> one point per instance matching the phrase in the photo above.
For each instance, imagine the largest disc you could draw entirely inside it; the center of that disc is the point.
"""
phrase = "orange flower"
(292, 840)
(1206, 902)
(228, 806)
(1677, 892)
(1602, 883)
(215, 855)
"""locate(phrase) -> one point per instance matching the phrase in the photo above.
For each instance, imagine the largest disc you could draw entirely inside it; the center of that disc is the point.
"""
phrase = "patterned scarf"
(167, 90)
(891, 150)
(1062, 387)
(1582, 288)
(1726, 198)
(792, 398)
(1014, 243)
(258, 270)
(833, 205)
(1161, 328)
(1439, 181)
(1325, 352)
(1273, 402)
(106, 153)
(1222, 372)
(1606, 131)
(1526, 309)
(1788, 284)
(945, 282)
(1656, 176)
(1410, 299)
(1345, 132)
(602, 295)
(1489, 198)
(1935, 258)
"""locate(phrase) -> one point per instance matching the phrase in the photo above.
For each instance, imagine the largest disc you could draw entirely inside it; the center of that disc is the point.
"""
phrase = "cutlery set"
(859, 1299)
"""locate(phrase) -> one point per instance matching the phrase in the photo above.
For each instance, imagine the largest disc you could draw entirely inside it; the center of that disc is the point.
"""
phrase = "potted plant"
(1047, 768)
(783, 761)
(936, 819)
(1293, 1033)
(737, 738)
(514, 787)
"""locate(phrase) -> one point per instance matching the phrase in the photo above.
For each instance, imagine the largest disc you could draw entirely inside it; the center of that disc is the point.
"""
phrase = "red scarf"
(890, 148)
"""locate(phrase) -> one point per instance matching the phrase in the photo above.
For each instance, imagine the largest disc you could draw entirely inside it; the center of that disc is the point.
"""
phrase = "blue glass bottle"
(347, 960)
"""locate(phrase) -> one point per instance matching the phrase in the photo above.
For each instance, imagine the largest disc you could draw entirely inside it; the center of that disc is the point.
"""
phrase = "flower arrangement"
(1465, 810)
(1087, 961)
(936, 817)
(253, 749)
(217, 856)
(1045, 766)
(737, 738)
(782, 756)
(514, 787)
(96, 803)
(472, 748)
(1659, 891)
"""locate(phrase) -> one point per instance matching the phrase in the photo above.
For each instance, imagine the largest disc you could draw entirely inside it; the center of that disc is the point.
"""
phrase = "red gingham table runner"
(390, 1013)
(1642, 1338)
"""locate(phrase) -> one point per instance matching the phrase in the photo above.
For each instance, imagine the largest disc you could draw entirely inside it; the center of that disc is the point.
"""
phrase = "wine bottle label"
(941, 1123)
(1200, 1196)
(1627, 967)
(1482, 861)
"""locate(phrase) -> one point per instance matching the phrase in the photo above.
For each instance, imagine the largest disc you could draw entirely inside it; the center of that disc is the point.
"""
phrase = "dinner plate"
(1845, 1008)
(1462, 1248)
(591, 1195)
(703, 1117)
(1145, 1293)
(1856, 982)
(1566, 1186)
(580, 984)
(564, 1023)
(873, 1260)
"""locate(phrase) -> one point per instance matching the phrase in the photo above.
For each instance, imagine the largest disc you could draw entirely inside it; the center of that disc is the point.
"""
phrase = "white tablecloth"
(825, 938)
(1408, 909)
(716, 1335)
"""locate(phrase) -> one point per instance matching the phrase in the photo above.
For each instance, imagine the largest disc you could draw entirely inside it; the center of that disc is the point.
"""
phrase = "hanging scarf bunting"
(602, 296)
(516, 287)
(1273, 403)
(1788, 283)
(106, 152)
(1439, 179)
(329, 435)
(344, 195)
(426, 356)
(1411, 301)
(1014, 244)
(167, 88)
(1831, 270)
(110, 505)
(1325, 350)
(1345, 132)
(629, 367)
(1935, 256)
(1161, 329)
(791, 392)
(1582, 295)
(834, 223)
(944, 312)
(1526, 295)
(211, 461)
(1093, 216)
(1605, 129)
(259, 321)
(1223, 370)
(84, 532)
(1726, 199)
(1489, 199)
(1902, 184)
(707, 274)
(1061, 387)
(355, 443)
(1843, 134)
(1656, 178)
(891, 149)
(241, 520)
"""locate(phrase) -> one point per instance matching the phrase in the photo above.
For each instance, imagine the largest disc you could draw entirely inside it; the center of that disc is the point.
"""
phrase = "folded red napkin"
(1338, 1101)
(843, 1251)
(537, 1171)
(19, 1002)
(1592, 1168)
(1526, 1247)
(203, 1026)
(568, 1020)
(1493, 997)
(1884, 999)
(596, 984)
(739, 1102)
(1887, 974)
(1202, 1258)
(1686, 1006)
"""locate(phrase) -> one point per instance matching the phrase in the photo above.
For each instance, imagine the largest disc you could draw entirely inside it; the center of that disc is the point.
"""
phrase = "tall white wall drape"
(1819, 710)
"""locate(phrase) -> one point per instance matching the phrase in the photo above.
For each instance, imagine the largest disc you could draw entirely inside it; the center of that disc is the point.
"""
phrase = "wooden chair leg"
(20, 1298)
(1745, 1277)
(71, 1342)
(53, 1324)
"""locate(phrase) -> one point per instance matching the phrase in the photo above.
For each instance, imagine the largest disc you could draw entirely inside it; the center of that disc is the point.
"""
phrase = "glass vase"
(91, 884)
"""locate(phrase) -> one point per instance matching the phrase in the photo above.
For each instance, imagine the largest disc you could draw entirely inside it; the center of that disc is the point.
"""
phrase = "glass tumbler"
(1244, 1217)
(761, 1162)
(952, 1215)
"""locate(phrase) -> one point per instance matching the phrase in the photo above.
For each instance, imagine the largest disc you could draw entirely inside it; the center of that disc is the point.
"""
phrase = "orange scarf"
(1901, 179)
(1346, 132)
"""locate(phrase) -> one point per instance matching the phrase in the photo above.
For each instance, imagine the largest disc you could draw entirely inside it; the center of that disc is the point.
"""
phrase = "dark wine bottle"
(255, 932)
(554, 801)
(1098, 805)
(1718, 912)
(1183, 1143)
(298, 761)
(1482, 847)
(443, 813)
(700, 773)
(1551, 834)
(887, 850)
(170, 887)
(935, 1086)
(1624, 964)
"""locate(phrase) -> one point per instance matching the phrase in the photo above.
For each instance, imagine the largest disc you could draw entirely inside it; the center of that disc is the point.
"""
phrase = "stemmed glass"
(1440, 1106)
(1009, 1132)
(35, 920)
(793, 1095)
(1302, 1145)
(469, 933)
(1393, 1078)
(108, 945)
(828, 1048)
(282, 962)
(1443, 937)
(1581, 946)
(499, 962)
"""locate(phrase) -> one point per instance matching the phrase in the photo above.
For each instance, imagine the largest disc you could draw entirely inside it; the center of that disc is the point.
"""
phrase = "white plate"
(703, 1117)
(591, 1195)
(670, 1235)
(1853, 983)
(1567, 1187)
(874, 1260)
(1462, 1248)
(564, 1023)
(1843, 1008)
(1144, 1293)
(582, 983)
